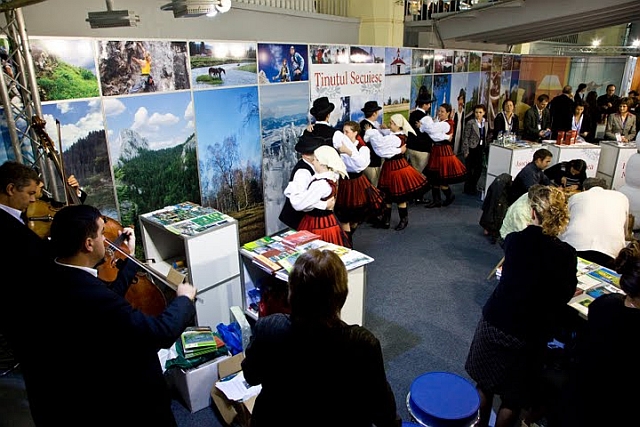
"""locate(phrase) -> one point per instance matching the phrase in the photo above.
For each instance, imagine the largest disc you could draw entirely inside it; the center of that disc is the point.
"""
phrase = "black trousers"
(474, 169)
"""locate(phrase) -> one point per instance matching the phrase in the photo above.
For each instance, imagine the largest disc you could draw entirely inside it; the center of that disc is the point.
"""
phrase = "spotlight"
(196, 8)
(636, 43)
(113, 18)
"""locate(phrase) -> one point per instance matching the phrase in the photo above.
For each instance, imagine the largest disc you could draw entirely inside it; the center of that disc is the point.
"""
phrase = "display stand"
(508, 159)
(203, 244)
(590, 153)
(613, 161)
(353, 309)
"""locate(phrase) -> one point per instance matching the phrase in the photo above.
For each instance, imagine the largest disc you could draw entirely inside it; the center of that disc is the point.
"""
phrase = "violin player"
(27, 262)
(73, 183)
(106, 351)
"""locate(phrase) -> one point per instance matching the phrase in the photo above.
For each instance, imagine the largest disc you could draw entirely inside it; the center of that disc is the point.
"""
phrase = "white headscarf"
(329, 157)
(399, 120)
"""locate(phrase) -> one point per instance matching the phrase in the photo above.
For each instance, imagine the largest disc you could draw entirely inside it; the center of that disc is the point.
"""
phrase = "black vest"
(289, 215)
(376, 161)
(324, 131)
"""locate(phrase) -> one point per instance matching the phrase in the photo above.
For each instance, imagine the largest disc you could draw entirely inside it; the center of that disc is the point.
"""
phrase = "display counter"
(508, 159)
(613, 161)
(590, 153)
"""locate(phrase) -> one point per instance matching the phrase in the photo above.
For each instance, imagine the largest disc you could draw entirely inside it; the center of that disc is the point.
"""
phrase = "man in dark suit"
(27, 262)
(537, 121)
(562, 107)
(112, 345)
(608, 103)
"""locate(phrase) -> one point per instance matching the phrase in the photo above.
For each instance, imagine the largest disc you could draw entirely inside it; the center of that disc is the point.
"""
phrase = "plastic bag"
(232, 336)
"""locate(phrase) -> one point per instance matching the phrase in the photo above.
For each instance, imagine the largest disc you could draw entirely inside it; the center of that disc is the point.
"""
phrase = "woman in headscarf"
(320, 197)
(399, 181)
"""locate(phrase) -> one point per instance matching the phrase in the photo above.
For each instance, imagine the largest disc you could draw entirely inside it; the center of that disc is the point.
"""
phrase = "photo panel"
(397, 61)
(284, 110)
(366, 55)
(222, 64)
(507, 62)
(475, 61)
(505, 88)
(281, 63)
(459, 92)
(85, 154)
(7, 150)
(460, 61)
(136, 67)
(473, 91)
(230, 156)
(441, 90)
(422, 61)
(597, 73)
(486, 61)
(420, 86)
(442, 61)
(494, 105)
(496, 63)
(549, 73)
(152, 147)
(517, 59)
(65, 68)
(396, 97)
(329, 54)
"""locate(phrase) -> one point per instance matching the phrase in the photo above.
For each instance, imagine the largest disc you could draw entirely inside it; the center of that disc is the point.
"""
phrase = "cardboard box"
(194, 385)
(231, 411)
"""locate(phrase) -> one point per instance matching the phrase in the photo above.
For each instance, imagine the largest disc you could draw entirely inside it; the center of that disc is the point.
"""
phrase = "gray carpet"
(424, 294)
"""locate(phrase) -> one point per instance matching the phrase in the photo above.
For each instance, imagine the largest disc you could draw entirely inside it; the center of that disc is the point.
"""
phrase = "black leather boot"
(404, 219)
(437, 200)
(385, 219)
(449, 197)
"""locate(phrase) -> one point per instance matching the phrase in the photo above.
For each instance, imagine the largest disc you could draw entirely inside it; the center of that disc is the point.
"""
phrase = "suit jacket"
(104, 344)
(530, 123)
(561, 108)
(499, 124)
(615, 125)
(471, 138)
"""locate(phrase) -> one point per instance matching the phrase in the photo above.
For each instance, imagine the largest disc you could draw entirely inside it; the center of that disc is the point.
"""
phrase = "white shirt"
(312, 197)
(597, 221)
(436, 130)
(359, 159)
(385, 146)
(299, 184)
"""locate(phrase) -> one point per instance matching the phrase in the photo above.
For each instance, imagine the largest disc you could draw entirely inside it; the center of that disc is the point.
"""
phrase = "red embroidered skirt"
(327, 227)
(399, 181)
(444, 167)
(357, 199)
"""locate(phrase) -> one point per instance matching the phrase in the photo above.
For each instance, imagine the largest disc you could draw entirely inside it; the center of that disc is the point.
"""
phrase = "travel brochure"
(276, 255)
(594, 280)
(187, 218)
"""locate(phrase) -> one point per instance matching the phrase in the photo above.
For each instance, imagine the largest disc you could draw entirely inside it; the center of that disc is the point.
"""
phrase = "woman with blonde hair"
(319, 198)
(523, 312)
(399, 181)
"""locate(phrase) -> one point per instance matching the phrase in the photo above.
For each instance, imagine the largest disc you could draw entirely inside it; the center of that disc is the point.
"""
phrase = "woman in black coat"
(506, 120)
(520, 317)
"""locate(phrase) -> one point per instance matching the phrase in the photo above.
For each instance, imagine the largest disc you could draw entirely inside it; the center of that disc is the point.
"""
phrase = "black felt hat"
(427, 99)
(370, 107)
(308, 142)
(321, 107)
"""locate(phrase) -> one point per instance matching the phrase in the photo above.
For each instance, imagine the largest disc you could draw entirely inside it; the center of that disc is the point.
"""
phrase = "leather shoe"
(433, 205)
(402, 224)
(449, 200)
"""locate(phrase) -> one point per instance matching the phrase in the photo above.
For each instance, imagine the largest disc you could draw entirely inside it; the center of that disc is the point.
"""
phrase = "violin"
(143, 294)
(41, 213)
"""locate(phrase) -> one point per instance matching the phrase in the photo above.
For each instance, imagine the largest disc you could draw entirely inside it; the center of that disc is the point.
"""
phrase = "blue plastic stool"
(443, 399)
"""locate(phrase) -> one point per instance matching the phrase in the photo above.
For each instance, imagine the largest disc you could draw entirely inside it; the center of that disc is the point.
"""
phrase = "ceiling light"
(196, 8)
(636, 43)
(113, 18)
(595, 42)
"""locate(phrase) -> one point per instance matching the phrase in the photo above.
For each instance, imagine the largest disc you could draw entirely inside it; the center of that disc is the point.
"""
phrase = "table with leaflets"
(275, 255)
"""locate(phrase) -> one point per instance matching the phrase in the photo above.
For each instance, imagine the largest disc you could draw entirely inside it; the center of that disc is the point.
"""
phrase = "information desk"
(613, 161)
(355, 262)
(508, 159)
(593, 280)
(590, 153)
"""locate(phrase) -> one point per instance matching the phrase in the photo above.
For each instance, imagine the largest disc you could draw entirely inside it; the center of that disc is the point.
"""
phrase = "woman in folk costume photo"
(399, 181)
(444, 167)
(357, 199)
(319, 199)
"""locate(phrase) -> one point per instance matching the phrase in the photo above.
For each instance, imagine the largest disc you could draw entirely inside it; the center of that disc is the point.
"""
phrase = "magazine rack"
(203, 244)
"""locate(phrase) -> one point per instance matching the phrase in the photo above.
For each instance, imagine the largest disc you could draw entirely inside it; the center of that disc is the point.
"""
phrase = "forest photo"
(229, 156)
(84, 150)
(152, 148)
(65, 69)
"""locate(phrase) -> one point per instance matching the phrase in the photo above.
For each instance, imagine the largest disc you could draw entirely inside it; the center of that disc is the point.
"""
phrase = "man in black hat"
(321, 110)
(371, 112)
(419, 145)
(301, 176)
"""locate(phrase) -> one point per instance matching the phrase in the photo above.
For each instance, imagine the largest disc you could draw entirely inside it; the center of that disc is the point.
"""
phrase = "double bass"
(142, 294)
